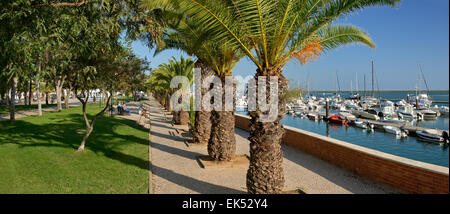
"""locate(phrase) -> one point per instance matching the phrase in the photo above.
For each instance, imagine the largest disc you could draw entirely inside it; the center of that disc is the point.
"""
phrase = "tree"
(161, 78)
(271, 33)
(215, 127)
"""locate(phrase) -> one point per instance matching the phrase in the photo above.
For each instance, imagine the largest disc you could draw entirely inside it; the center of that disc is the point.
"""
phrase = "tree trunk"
(12, 113)
(202, 125)
(167, 102)
(8, 100)
(89, 126)
(59, 83)
(183, 117)
(222, 142)
(265, 173)
(25, 97)
(46, 97)
(2, 98)
(175, 117)
(38, 93)
(66, 99)
(30, 93)
(83, 143)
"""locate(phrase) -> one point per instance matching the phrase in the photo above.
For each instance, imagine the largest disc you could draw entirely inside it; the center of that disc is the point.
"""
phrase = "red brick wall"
(409, 178)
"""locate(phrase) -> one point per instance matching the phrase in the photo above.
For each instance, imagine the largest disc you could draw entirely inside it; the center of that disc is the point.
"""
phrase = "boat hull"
(429, 137)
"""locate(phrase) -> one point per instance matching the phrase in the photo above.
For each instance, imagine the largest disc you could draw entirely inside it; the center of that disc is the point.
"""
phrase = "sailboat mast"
(372, 81)
(364, 85)
(424, 80)
(351, 87)
(337, 79)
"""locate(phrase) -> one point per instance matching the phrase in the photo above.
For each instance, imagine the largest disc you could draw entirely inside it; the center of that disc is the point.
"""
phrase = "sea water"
(410, 147)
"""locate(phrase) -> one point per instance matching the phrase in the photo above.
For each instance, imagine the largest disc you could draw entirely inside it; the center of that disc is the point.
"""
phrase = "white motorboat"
(423, 101)
(348, 116)
(430, 135)
(369, 114)
(363, 125)
(241, 104)
(313, 116)
(444, 111)
(356, 112)
(394, 130)
(393, 121)
(406, 112)
(428, 114)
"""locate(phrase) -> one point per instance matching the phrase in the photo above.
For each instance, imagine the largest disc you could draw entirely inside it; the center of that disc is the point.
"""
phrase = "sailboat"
(422, 101)
(369, 101)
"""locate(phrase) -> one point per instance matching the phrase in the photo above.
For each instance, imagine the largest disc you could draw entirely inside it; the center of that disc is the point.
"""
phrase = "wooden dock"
(434, 101)
(379, 125)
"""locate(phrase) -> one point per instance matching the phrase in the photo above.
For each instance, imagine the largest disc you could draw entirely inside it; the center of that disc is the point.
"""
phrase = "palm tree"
(271, 33)
(217, 127)
(163, 75)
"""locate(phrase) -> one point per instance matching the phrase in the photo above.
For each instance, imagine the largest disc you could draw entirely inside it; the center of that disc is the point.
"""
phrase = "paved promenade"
(175, 169)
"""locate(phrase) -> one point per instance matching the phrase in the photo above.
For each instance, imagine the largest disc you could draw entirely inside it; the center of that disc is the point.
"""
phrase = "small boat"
(395, 130)
(406, 112)
(444, 111)
(348, 116)
(370, 114)
(363, 125)
(430, 135)
(313, 116)
(428, 114)
(393, 121)
(338, 120)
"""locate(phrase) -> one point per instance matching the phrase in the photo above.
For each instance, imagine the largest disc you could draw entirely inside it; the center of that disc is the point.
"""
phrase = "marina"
(422, 139)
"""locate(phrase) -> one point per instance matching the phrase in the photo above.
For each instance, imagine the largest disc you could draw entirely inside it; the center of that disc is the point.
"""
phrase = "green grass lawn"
(37, 155)
(24, 107)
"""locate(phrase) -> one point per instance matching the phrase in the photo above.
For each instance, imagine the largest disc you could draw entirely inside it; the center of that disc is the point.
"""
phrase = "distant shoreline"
(333, 91)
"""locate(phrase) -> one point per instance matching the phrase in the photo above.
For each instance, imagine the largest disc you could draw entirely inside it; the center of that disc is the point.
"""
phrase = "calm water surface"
(410, 147)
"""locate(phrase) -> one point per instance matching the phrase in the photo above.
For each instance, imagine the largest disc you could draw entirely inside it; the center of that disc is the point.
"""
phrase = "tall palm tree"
(163, 75)
(271, 33)
(217, 127)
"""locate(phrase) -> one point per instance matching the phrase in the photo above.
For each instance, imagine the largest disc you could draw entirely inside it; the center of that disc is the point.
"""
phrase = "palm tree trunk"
(202, 125)
(222, 142)
(167, 102)
(265, 174)
(183, 117)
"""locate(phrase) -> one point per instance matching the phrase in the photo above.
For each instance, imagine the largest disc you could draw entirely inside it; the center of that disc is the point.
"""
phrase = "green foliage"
(160, 78)
(271, 32)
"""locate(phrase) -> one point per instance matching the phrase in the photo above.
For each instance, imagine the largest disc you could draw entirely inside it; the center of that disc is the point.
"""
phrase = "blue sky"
(415, 32)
